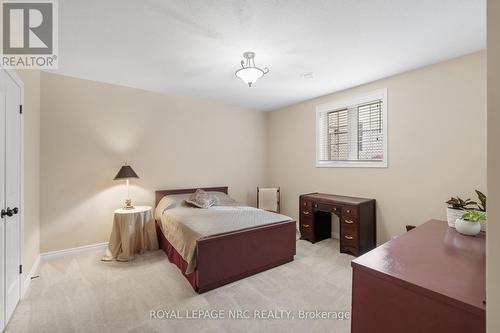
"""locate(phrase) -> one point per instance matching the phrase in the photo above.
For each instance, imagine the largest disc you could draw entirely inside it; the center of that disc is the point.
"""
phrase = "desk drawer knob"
(348, 237)
(305, 225)
(349, 221)
(348, 211)
(305, 212)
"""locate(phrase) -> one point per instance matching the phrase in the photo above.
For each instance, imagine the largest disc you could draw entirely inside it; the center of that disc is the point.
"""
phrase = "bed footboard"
(222, 259)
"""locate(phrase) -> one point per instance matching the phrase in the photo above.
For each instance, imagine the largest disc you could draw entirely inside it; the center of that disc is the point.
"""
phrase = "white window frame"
(343, 104)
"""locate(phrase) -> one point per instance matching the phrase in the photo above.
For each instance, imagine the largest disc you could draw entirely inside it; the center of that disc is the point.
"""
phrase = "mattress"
(183, 226)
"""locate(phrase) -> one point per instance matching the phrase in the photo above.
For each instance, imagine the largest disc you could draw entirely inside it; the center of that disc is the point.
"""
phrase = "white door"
(2, 202)
(12, 196)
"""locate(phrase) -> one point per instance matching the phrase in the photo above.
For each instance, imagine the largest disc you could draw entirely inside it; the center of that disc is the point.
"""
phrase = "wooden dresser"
(356, 215)
(430, 279)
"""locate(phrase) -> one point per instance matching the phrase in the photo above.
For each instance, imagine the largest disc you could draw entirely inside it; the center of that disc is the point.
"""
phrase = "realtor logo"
(29, 34)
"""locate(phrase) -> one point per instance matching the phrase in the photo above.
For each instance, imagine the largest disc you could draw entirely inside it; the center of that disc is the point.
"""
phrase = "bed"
(230, 255)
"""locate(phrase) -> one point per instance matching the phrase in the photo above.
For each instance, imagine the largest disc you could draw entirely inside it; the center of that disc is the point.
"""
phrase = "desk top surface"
(436, 260)
(338, 198)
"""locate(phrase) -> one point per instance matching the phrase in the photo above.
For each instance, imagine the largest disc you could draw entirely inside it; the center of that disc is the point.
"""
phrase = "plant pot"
(452, 215)
(468, 228)
(483, 225)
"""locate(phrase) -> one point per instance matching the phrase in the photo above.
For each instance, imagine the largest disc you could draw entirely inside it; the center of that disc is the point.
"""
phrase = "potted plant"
(481, 206)
(469, 224)
(456, 208)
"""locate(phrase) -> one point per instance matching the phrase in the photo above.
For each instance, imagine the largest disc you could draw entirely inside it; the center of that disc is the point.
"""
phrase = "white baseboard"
(74, 250)
(32, 272)
(56, 254)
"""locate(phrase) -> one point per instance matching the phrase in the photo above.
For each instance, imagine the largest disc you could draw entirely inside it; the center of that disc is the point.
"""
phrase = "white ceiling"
(193, 47)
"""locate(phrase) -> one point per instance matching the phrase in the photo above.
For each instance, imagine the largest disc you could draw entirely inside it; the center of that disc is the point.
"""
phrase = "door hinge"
(20, 109)
(20, 269)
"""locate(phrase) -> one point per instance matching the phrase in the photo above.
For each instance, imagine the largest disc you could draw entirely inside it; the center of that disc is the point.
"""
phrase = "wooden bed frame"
(227, 257)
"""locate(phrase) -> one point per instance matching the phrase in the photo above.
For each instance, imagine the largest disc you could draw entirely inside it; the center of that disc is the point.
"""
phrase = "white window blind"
(352, 134)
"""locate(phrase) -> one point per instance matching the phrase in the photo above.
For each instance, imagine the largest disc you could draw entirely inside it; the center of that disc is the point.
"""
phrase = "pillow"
(222, 199)
(169, 202)
(201, 199)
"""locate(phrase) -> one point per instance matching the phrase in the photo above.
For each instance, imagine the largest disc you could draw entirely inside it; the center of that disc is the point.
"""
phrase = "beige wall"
(437, 136)
(31, 249)
(493, 234)
(90, 129)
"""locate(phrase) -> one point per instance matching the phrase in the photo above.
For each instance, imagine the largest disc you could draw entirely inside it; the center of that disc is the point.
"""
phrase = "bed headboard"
(162, 193)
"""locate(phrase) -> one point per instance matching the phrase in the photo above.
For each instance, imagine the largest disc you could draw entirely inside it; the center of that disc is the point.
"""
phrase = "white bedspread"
(183, 226)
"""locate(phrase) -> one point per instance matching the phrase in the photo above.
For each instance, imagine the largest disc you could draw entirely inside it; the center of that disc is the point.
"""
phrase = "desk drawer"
(304, 203)
(306, 226)
(306, 212)
(306, 222)
(349, 235)
(350, 212)
(327, 208)
(349, 222)
(336, 210)
(348, 240)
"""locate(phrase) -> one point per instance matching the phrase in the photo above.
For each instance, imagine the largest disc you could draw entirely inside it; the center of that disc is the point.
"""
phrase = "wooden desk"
(431, 279)
(356, 216)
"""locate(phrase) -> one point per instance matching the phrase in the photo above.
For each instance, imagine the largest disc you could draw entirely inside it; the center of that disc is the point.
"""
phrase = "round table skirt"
(133, 232)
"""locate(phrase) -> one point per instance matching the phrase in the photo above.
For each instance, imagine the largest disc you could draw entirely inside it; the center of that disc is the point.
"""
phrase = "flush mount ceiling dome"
(249, 73)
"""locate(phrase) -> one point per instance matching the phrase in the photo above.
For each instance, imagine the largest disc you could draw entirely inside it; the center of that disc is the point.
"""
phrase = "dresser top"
(435, 260)
(338, 198)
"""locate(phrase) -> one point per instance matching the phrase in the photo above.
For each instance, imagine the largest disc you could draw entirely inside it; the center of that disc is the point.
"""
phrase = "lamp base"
(128, 204)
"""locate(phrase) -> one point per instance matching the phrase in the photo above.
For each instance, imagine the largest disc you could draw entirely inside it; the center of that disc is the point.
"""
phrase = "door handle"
(9, 212)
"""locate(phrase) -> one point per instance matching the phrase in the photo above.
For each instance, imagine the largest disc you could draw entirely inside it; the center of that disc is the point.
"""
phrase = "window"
(353, 133)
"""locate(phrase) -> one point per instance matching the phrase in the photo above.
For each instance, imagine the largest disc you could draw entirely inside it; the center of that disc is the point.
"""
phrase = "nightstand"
(133, 232)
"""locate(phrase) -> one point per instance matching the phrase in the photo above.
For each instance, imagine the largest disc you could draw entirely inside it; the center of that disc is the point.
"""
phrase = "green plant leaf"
(474, 215)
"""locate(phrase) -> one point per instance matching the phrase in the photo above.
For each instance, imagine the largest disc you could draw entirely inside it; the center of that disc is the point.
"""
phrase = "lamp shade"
(125, 172)
(249, 75)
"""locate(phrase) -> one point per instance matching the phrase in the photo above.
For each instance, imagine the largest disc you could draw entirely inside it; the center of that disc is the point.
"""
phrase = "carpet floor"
(80, 293)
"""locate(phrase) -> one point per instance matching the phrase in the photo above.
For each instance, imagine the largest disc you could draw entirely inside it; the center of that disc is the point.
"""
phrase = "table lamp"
(126, 172)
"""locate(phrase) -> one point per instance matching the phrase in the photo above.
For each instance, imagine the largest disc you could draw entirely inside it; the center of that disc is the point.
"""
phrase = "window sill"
(347, 164)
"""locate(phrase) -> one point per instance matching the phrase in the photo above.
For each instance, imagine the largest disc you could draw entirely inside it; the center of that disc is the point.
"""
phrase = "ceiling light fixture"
(249, 73)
